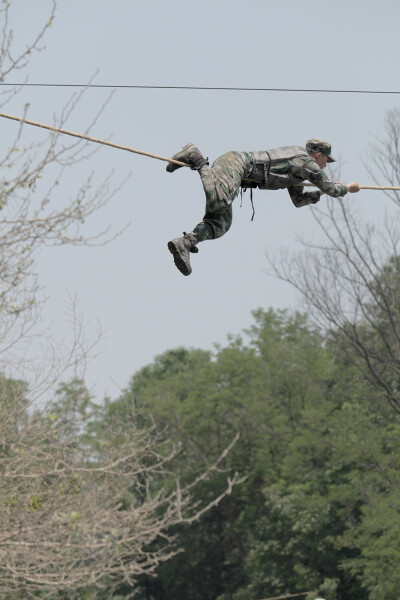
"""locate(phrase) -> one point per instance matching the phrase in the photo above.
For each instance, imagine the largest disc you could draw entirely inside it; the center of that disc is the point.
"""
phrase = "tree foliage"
(317, 448)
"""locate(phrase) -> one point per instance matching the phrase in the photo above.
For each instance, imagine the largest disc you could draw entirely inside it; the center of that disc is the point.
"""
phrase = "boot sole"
(171, 167)
(179, 263)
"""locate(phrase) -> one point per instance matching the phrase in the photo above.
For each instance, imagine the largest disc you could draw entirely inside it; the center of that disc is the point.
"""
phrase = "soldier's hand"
(353, 187)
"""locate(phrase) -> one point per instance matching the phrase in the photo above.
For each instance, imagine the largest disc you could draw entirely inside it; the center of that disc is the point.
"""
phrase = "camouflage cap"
(316, 145)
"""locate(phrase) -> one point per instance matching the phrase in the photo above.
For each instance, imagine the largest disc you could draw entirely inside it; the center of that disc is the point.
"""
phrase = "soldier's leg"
(221, 184)
(212, 226)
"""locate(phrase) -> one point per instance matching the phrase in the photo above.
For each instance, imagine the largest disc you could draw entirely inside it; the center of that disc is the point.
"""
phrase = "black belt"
(260, 175)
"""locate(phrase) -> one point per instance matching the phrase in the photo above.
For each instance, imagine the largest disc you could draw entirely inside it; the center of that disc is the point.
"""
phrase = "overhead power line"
(201, 88)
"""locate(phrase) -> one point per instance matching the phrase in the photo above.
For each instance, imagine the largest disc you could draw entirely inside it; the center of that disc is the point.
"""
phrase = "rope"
(378, 187)
(128, 149)
(362, 187)
(92, 139)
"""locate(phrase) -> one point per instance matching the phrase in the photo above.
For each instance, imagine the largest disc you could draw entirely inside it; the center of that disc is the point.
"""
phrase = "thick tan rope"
(378, 187)
(128, 149)
(362, 187)
(91, 139)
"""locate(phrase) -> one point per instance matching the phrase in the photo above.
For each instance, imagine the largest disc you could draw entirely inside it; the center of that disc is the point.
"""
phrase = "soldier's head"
(320, 151)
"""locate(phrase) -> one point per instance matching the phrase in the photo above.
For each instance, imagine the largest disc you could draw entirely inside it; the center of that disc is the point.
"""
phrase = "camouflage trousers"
(221, 185)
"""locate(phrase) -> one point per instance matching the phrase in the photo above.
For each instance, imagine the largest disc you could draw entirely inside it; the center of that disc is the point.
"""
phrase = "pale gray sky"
(132, 286)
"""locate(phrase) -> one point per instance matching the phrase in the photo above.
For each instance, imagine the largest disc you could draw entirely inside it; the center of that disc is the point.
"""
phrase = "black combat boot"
(181, 248)
(189, 155)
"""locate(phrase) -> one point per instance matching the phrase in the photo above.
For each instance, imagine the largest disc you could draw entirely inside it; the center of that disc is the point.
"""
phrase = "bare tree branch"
(73, 512)
(350, 282)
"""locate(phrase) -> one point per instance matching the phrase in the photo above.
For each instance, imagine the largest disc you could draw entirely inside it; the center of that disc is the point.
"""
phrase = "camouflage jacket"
(283, 168)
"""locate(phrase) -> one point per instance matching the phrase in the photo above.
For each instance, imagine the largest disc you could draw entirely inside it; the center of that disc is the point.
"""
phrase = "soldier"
(267, 170)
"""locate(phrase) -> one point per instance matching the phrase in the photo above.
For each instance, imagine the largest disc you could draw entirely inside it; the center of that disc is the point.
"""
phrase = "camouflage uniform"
(281, 168)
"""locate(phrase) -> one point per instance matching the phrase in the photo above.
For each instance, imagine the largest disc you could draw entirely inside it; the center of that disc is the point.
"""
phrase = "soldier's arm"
(309, 170)
(318, 177)
(301, 198)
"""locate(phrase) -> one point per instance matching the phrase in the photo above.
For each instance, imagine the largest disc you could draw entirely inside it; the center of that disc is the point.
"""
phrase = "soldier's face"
(321, 160)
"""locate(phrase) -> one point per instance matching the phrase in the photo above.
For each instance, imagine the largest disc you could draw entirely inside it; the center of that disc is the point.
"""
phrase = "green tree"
(267, 390)
(350, 284)
(317, 448)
